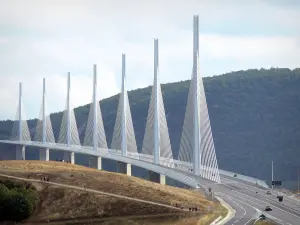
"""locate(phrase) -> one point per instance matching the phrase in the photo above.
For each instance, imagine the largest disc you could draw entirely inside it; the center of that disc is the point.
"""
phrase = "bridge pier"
(124, 168)
(157, 178)
(72, 156)
(69, 157)
(20, 152)
(95, 162)
(44, 154)
(99, 163)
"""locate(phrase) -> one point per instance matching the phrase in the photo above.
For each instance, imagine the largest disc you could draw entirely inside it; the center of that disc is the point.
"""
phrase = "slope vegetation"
(61, 205)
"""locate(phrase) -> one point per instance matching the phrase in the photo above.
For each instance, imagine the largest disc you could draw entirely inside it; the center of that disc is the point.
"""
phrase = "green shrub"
(17, 201)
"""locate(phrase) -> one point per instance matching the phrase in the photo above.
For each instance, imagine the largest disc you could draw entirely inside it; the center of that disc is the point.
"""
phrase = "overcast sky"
(49, 38)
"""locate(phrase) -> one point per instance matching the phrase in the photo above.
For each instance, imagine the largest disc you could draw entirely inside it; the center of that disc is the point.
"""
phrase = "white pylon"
(156, 107)
(156, 139)
(94, 133)
(123, 135)
(68, 131)
(20, 131)
(196, 144)
(20, 113)
(44, 131)
(44, 111)
(68, 111)
(124, 109)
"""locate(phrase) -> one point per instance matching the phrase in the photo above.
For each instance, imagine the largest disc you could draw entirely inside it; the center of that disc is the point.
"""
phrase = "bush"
(17, 201)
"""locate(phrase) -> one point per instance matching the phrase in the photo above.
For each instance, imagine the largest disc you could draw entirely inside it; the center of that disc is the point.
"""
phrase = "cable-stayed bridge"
(196, 165)
(196, 158)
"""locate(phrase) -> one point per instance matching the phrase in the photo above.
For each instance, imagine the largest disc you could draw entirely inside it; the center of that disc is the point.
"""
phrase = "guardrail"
(248, 179)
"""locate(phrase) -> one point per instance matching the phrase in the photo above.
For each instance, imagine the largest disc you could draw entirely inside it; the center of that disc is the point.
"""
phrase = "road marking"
(267, 203)
(248, 186)
(248, 221)
(237, 205)
(258, 211)
(292, 205)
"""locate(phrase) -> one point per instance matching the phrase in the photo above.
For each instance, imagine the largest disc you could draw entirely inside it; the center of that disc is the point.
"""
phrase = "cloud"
(50, 38)
(56, 91)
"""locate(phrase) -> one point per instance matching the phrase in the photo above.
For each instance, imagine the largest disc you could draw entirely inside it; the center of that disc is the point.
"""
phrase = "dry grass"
(77, 206)
(106, 181)
(264, 222)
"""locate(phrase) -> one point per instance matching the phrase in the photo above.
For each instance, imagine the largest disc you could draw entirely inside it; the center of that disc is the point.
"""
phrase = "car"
(268, 208)
(280, 198)
(268, 192)
(262, 217)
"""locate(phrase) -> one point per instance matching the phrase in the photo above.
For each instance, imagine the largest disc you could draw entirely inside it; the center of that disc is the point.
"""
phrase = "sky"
(49, 38)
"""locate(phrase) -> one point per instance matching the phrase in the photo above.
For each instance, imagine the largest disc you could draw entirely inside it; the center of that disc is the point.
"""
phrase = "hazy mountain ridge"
(254, 118)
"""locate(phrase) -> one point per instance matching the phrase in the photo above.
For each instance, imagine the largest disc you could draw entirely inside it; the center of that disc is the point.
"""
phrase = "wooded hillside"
(254, 117)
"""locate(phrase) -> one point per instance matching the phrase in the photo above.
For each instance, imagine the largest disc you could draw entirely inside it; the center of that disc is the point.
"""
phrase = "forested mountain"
(254, 117)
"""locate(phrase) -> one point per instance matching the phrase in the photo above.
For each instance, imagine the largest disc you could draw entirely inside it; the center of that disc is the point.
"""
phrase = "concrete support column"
(124, 168)
(44, 154)
(157, 178)
(99, 163)
(72, 157)
(69, 157)
(47, 154)
(20, 152)
(162, 179)
(95, 162)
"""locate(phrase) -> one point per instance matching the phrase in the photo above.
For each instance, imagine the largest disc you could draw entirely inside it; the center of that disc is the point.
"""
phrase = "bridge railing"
(115, 155)
(185, 167)
(248, 179)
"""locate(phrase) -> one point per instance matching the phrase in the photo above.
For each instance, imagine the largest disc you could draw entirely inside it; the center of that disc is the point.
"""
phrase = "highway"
(249, 201)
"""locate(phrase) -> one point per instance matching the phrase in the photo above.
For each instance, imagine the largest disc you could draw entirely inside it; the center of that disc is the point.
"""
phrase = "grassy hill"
(63, 205)
(254, 117)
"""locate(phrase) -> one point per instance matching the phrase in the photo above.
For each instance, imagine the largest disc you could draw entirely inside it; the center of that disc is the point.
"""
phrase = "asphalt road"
(249, 201)
(244, 213)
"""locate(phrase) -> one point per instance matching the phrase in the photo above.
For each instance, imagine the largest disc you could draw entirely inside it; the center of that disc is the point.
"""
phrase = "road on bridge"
(249, 201)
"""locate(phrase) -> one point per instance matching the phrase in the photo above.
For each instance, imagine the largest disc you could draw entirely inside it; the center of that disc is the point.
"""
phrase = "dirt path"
(96, 192)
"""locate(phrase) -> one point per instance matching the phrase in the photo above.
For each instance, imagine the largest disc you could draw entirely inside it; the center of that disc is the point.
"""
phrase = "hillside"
(63, 205)
(254, 117)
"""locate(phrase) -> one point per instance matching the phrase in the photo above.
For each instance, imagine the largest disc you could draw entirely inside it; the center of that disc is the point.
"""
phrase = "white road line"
(270, 216)
(267, 203)
(253, 187)
(289, 199)
(249, 221)
(237, 205)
